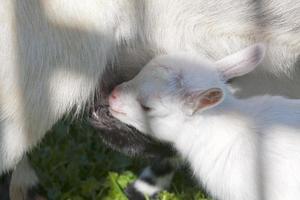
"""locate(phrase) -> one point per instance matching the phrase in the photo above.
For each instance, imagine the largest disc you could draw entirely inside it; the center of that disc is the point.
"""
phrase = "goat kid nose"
(115, 93)
(114, 100)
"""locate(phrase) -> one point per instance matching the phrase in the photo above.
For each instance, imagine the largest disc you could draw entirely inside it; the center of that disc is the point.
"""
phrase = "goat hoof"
(34, 193)
(4, 186)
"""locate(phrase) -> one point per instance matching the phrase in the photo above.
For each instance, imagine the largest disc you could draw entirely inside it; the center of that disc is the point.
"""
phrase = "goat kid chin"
(239, 149)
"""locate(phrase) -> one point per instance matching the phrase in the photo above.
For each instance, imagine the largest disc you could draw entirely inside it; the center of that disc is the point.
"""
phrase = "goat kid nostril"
(114, 101)
(115, 93)
(113, 96)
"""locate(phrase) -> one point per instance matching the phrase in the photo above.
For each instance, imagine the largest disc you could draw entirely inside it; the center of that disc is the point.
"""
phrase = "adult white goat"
(53, 53)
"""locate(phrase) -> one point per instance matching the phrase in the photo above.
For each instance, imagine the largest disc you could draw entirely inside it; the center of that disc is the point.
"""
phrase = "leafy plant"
(73, 164)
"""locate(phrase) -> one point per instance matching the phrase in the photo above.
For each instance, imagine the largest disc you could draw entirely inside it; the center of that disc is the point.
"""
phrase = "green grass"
(73, 164)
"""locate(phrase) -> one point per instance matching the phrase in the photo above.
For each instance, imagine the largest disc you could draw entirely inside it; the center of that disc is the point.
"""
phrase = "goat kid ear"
(241, 62)
(198, 101)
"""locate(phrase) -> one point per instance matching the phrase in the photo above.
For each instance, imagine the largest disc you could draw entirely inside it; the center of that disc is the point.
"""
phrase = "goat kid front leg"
(24, 184)
(153, 179)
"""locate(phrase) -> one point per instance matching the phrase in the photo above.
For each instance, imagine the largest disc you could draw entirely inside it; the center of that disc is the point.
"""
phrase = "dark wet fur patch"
(149, 180)
(116, 134)
(162, 167)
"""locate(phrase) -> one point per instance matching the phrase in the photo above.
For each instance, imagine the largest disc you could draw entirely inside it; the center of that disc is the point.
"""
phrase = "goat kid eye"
(145, 108)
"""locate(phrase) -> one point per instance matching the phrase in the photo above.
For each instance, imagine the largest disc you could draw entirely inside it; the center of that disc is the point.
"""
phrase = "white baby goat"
(238, 149)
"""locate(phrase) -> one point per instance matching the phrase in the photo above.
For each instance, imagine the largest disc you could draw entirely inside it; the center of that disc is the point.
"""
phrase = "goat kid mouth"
(112, 111)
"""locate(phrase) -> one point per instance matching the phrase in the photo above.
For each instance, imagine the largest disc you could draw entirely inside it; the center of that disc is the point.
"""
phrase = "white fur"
(52, 53)
(238, 149)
